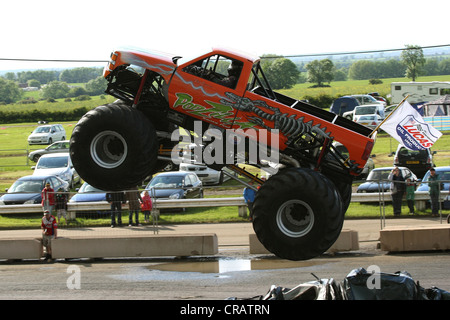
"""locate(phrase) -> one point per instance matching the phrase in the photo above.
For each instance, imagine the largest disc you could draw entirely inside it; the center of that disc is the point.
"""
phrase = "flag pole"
(385, 119)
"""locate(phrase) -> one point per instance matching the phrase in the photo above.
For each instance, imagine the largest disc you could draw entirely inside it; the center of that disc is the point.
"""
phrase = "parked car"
(88, 193)
(345, 106)
(377, 96)
(205, 174)
(27, 190)
(367, 111)
(377, 180)
(368, 167)
(58, 164)
(371, 121)
(60, 146)
(444, 175)
(419, 161)
(175, 185)
(389, 109)
(364, 99)
(47, 134)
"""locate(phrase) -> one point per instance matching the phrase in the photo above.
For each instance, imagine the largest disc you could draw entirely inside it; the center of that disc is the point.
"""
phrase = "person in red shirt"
(48, 198)
(49, 232)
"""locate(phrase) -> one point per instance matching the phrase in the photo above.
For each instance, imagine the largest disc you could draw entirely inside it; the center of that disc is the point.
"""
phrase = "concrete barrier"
(25, 248)
(135, 246)
(113, 247)
(417, 238)
(347, 241)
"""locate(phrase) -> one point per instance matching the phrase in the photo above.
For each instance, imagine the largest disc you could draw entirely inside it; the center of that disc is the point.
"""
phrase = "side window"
(218, 69)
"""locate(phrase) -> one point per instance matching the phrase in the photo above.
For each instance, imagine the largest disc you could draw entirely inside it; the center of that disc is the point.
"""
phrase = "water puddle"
(221, 265)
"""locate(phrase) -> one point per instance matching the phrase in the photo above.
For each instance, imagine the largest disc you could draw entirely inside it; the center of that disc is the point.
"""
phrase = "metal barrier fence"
(10, 153)
(102, 209)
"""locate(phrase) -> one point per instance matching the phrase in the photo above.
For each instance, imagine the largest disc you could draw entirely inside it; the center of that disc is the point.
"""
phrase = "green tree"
(413, 58)
(320, 71)
(56, 90)
(282, 73)
(96, 86)
(9, 91)
(444, 67)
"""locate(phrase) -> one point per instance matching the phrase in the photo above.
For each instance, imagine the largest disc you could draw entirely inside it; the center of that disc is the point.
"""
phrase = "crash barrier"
(128, 246)
(421, 197)
(20, 248)
(347, 241)
(417, 238)
(73, 208)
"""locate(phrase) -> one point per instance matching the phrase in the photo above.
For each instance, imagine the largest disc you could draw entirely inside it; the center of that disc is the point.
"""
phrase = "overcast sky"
(91, 29)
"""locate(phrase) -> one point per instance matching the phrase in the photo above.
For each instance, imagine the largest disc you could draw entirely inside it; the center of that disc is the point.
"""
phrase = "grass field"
(341, 88)
(14, 163)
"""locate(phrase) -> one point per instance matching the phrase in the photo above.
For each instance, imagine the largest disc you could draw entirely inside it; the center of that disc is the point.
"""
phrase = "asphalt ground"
(233, 272)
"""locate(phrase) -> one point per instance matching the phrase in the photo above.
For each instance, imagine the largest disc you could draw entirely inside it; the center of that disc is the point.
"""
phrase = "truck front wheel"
(297, 214)
(114, 147)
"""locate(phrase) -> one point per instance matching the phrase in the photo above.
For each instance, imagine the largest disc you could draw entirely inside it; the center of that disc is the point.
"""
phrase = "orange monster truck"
(298, 212)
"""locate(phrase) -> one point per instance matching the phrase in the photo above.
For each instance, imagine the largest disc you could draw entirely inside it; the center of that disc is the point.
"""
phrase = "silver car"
(60, 146)
(58, 164)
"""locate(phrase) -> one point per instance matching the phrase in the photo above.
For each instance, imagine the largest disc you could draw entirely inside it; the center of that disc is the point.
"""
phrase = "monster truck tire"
(345, 190)
(297, 214)
(114, 147)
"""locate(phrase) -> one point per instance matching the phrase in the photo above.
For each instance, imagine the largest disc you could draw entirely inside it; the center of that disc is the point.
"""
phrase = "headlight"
(2, 203)
(174, 196)
(29, 202)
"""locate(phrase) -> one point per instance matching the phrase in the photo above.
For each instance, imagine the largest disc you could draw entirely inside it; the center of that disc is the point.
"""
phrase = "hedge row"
(41, 115)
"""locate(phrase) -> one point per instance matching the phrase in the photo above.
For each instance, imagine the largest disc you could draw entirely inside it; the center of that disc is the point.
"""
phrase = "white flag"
(407, 126)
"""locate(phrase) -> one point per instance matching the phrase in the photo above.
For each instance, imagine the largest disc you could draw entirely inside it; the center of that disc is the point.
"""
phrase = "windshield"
(42, 130)
(53, 162)
(166, 182)
(365, 110)
(378, 175)
(32, 186)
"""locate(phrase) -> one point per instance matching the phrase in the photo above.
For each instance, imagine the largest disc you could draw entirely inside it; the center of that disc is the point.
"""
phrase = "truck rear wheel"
(114, 147)
(297, 214)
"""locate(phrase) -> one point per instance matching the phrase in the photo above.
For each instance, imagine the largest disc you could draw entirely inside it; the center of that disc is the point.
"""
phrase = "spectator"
(48, 198)
(134, 200)
(249, 197)
(434, 191)
(397, 190)
(49, 232)
(410, 189)
(116, 199)
(146, 205)
(61, 206)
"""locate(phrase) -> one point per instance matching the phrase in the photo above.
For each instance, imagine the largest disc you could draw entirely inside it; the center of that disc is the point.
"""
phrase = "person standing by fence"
(134, 205)
(146, 205)
(397, 190)
(116, 199)
(48, 198)
(410, 189)
(434, 191)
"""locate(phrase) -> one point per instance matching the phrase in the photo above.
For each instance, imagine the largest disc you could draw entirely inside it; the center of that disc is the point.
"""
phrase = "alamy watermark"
(228, 146)
(374, 281)
(74, 280)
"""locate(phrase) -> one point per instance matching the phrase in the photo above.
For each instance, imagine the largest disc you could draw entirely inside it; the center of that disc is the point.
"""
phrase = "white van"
(47, 134)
